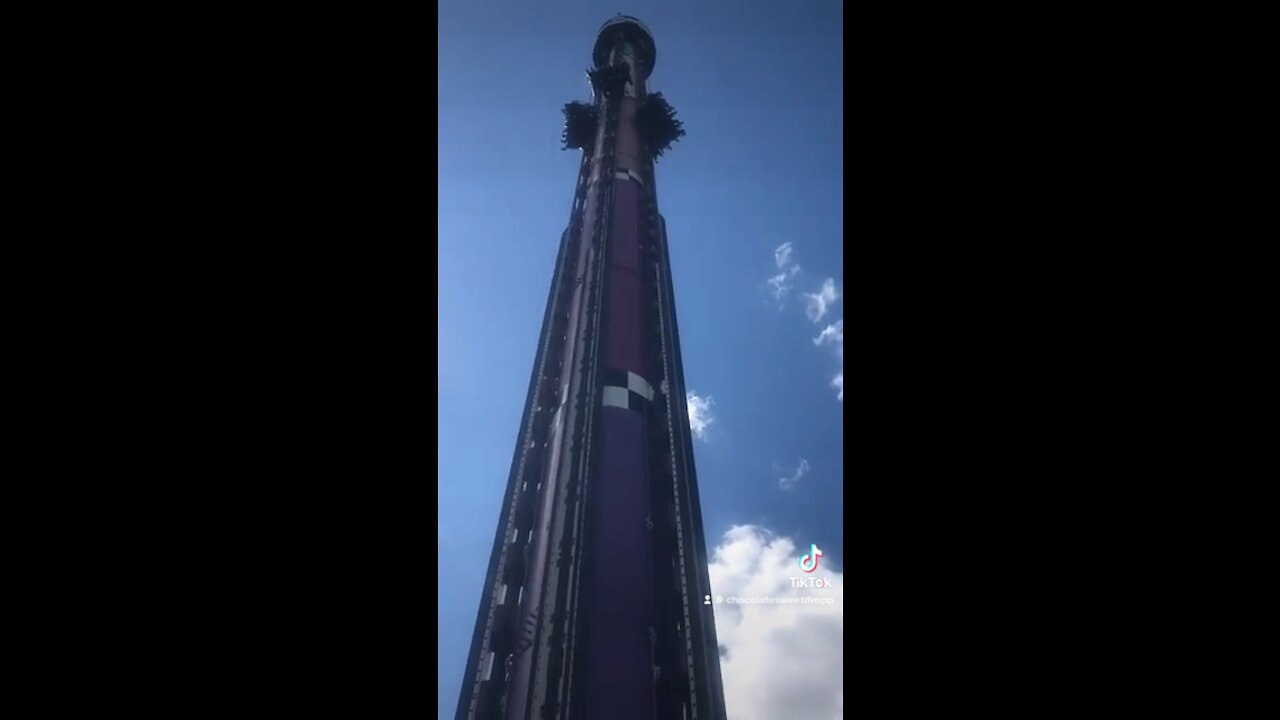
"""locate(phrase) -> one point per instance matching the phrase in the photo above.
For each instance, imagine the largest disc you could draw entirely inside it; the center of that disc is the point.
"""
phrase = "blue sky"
(758, 86)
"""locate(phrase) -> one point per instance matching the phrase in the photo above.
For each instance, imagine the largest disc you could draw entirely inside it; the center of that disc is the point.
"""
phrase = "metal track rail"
(490, 644)
(567, 669)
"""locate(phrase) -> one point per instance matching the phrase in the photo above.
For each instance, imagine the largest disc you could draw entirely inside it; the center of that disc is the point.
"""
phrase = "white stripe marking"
(616, 397)
(639, 386)
(628, 175)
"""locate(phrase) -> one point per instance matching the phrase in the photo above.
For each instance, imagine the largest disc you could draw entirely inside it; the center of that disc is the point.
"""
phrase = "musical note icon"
(809, 563)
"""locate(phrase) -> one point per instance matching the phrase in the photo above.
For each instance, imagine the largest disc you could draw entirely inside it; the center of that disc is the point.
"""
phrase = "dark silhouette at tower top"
(631, 30)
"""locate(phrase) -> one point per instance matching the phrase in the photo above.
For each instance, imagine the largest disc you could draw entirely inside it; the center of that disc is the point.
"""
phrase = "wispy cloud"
(817, 306)
(821, 300)
(780, 285)
(700, 417)
(782, 255)
(777, 660)
(789, 482)
(833, 335)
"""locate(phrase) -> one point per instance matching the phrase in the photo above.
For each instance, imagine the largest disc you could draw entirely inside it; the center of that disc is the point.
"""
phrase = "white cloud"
(837, 382)
(700, 417)
(780, 285)
(777, 661)
(789, 482)
(782, 256)
(821, 300)
(833, 335)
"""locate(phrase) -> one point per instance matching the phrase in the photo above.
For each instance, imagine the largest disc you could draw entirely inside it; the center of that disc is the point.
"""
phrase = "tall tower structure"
(597, 601)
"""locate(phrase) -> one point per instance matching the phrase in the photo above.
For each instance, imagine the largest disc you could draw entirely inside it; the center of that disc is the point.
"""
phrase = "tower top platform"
(631, 30)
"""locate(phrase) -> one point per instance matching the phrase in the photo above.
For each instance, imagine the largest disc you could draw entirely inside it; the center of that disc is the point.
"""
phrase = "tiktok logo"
(809, 563)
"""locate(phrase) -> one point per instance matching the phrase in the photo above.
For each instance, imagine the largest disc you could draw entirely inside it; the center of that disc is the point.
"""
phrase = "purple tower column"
(592, 603)
(619, 662)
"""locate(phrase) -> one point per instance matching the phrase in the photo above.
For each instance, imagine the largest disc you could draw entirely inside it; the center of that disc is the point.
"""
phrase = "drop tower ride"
(595, 604)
